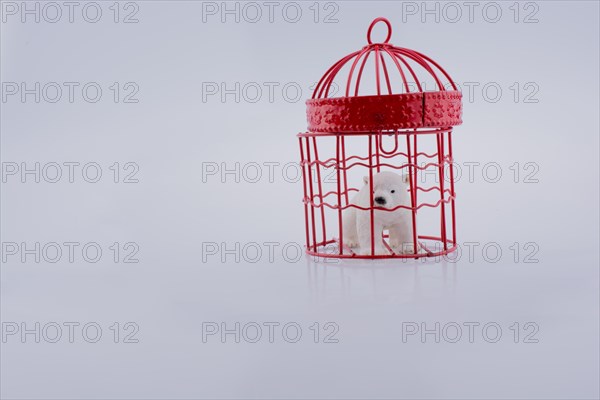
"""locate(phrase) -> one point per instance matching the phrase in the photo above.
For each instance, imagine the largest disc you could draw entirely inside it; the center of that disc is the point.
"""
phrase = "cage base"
(433, 247)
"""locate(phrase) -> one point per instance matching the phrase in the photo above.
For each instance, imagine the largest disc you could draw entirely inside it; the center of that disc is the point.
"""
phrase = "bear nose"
(380, 200)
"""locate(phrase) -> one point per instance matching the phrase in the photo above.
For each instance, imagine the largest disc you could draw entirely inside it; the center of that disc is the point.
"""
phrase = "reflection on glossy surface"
(378, 280)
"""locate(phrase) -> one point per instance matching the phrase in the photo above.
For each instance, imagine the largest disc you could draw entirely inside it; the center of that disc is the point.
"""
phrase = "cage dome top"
(388, 109)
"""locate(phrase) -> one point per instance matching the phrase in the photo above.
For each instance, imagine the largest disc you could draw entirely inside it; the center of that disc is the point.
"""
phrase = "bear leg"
(350, 238)
(364, 235)
(401, 239)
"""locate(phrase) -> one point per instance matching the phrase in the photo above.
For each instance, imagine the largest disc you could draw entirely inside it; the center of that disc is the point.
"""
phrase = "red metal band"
(388, 112)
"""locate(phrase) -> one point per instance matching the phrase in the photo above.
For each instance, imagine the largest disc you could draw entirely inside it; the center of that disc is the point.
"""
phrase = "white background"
(173, 131)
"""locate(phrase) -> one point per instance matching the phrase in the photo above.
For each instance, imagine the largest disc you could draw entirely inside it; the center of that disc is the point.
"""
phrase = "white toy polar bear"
(390, 190)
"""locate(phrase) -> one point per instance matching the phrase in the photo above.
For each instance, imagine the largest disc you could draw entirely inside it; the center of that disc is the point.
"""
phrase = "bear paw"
(350, 243)
(379, 251)
(405, 248)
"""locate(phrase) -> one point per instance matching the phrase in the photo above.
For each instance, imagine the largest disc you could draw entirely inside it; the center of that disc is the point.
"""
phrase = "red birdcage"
(402, 128)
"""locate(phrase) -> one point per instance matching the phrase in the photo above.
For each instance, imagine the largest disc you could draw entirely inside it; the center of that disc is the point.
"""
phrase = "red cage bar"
(417, 122)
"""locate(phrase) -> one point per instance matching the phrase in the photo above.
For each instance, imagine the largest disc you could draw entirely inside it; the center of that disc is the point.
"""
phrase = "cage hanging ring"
(375, 21)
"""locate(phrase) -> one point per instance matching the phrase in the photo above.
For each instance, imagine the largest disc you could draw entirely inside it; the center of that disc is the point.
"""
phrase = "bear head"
(390, 190)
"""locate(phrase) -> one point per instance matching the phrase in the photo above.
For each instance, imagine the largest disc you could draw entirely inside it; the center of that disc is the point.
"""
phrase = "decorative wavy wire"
(331, 163)
(451, 197)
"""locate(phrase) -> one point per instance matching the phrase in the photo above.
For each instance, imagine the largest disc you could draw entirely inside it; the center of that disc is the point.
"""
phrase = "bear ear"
(366, 180)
